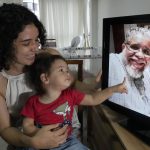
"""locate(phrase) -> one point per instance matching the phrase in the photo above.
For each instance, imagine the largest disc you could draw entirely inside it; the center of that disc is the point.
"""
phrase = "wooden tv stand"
(105, 132)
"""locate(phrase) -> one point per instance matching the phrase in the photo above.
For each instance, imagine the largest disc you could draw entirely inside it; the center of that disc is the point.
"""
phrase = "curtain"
(63, 19)
(11, 1)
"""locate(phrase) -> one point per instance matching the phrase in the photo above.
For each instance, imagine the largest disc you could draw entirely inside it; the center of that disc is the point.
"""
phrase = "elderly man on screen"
(134, 64)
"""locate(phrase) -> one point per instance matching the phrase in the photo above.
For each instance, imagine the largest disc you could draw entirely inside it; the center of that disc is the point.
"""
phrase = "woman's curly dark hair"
(13, 19)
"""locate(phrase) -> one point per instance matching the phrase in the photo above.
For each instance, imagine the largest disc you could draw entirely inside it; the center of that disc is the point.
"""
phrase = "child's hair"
(42, 64)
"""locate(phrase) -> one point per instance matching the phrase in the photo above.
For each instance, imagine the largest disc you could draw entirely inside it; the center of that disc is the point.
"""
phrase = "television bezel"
(142, 120)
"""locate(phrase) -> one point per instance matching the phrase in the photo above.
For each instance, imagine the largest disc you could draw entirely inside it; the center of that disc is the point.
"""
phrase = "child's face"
(60, 77)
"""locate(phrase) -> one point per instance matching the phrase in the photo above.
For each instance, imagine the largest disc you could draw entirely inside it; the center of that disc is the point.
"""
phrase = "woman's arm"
(100, 96)
(8, 133)
(91, 86)
(43, 139)
(29, 127)
(84, 87)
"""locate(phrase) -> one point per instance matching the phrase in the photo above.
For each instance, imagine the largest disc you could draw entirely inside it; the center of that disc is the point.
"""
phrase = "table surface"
(128, 139)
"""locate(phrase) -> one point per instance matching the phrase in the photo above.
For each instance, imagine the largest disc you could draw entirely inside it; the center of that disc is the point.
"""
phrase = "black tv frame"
(136, 122)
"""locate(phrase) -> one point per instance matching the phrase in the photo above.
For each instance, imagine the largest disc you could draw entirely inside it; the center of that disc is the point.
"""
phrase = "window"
(33, 5)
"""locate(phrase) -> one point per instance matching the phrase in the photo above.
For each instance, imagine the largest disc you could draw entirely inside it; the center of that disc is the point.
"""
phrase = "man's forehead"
(137, 33)
(139, 39)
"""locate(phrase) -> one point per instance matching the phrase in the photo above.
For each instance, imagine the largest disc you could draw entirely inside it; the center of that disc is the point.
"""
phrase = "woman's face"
(26, 45)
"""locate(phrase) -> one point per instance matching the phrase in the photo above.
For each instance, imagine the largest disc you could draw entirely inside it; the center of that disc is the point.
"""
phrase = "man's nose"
(140, 53)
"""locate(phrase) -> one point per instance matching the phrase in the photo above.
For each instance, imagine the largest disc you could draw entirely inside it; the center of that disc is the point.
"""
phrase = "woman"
(21, 34)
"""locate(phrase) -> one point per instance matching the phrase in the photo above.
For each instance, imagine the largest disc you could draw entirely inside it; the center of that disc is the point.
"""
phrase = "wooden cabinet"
(104, 131)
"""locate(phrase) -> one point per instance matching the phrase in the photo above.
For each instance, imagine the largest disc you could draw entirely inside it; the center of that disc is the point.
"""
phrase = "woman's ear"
(44, 78)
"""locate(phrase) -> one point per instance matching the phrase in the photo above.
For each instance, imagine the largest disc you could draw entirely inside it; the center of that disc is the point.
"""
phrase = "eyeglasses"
(137, 47)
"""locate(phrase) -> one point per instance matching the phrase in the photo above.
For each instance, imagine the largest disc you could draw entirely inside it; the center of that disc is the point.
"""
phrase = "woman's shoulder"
(3, 85)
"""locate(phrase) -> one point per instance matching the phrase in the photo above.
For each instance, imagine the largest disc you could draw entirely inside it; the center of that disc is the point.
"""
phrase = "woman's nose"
(34, 46)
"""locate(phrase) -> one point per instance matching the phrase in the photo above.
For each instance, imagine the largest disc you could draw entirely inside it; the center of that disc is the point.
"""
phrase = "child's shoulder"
(33, 97)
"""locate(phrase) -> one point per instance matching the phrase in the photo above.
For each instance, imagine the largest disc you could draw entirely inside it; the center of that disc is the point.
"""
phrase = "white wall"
(115, 8)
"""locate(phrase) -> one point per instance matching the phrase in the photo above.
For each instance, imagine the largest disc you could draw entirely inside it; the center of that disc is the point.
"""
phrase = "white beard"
(133, 73)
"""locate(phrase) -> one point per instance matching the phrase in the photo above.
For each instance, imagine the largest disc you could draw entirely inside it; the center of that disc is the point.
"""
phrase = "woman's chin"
(30, 62)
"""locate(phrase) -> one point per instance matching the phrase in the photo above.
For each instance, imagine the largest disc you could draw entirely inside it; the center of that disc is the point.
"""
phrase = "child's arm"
(29, 127)
(100, 96)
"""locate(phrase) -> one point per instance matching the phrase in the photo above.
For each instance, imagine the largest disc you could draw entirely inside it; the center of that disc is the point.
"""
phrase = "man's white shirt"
(133, 100)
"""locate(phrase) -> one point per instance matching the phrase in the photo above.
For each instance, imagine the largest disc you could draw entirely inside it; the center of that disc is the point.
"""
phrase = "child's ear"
(44, 78)
(123, 45)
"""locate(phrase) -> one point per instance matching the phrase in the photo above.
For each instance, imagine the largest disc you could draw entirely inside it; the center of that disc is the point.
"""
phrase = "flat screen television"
(116, 33)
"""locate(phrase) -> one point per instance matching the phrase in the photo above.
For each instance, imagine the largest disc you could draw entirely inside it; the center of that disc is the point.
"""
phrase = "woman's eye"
(29, 42)
(26, 44)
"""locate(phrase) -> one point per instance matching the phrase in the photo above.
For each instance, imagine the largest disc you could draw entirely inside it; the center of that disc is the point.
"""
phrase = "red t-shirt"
(55, 112)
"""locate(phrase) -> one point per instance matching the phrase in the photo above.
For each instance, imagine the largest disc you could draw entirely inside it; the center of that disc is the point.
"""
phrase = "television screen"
(126, 54)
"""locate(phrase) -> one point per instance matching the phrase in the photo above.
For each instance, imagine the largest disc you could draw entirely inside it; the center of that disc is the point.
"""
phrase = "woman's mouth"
(31, 58)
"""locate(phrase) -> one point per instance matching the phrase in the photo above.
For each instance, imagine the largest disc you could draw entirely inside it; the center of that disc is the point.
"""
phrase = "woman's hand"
(47, 137)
